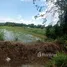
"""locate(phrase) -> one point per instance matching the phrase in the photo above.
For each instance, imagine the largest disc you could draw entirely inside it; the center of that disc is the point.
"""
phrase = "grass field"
(34, 31)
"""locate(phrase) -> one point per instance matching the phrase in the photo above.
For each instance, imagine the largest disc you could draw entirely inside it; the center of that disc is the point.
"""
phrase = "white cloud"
(51, 8)
(19, 19)
(7, 19)
(36, 22)
(51, 11)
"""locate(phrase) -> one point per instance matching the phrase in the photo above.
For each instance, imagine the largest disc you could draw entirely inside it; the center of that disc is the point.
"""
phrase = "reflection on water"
(8, 35)
(18, 36)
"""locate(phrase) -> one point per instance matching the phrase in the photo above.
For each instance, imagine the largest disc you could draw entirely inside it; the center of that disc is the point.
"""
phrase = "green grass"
(60, 60)
(34, 31)
(1, 36)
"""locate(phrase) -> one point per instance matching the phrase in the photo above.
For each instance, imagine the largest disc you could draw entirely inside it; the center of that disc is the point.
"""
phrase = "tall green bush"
(60, 60)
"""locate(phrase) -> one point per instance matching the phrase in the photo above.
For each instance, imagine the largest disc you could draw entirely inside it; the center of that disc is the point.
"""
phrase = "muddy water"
(18, 36)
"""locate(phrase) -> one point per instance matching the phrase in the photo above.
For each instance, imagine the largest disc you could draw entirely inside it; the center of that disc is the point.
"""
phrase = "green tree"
(61, 5)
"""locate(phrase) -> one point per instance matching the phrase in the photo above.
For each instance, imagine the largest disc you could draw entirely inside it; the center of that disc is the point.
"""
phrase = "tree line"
(22, 25)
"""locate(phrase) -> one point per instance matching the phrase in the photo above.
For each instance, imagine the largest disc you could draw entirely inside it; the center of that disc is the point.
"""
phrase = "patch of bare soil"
(15, 53)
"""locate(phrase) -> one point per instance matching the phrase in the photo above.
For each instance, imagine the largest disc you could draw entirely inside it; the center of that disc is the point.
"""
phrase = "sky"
(19, 11)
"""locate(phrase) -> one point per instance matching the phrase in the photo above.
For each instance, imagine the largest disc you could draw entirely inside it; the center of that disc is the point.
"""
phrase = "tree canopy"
(54, 8)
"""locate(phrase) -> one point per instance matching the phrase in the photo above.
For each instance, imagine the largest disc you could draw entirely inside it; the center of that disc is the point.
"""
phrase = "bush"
(60, 60)
(65, 37)
(60, 40)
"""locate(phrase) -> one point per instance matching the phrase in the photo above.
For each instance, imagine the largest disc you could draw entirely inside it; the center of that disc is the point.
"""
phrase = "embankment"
(37, 52)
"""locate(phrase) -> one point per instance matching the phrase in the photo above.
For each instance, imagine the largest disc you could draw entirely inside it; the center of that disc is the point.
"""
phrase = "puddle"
(18, 36)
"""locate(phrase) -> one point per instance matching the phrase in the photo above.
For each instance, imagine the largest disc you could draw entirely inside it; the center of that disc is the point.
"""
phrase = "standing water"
(18, 36)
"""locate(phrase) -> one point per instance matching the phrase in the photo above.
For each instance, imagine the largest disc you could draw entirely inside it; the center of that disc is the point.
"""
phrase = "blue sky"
(20, 11)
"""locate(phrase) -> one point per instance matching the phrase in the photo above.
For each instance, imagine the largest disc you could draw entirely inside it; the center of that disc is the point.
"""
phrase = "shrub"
(60, 40)
(60, 60)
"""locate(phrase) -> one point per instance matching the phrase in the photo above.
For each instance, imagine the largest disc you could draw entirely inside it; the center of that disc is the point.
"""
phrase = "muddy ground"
(15, 53)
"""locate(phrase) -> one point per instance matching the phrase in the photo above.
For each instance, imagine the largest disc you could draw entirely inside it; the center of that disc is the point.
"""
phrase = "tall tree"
(55, 8)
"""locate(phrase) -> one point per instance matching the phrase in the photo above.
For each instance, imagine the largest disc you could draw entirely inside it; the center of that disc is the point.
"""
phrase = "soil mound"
(13, 52)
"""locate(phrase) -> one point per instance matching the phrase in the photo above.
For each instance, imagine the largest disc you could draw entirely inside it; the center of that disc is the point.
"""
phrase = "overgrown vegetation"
(1, 36)
(60, 60)
(37, 32)
(58, 32)
(60, 29)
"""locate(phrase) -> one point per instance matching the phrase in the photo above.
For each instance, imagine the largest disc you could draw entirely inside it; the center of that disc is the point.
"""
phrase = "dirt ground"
(19, 53)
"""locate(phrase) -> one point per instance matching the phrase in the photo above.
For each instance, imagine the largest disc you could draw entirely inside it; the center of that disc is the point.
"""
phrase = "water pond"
(18, 36)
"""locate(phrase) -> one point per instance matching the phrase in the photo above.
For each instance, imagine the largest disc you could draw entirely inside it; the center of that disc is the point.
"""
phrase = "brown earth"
(27, 53)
